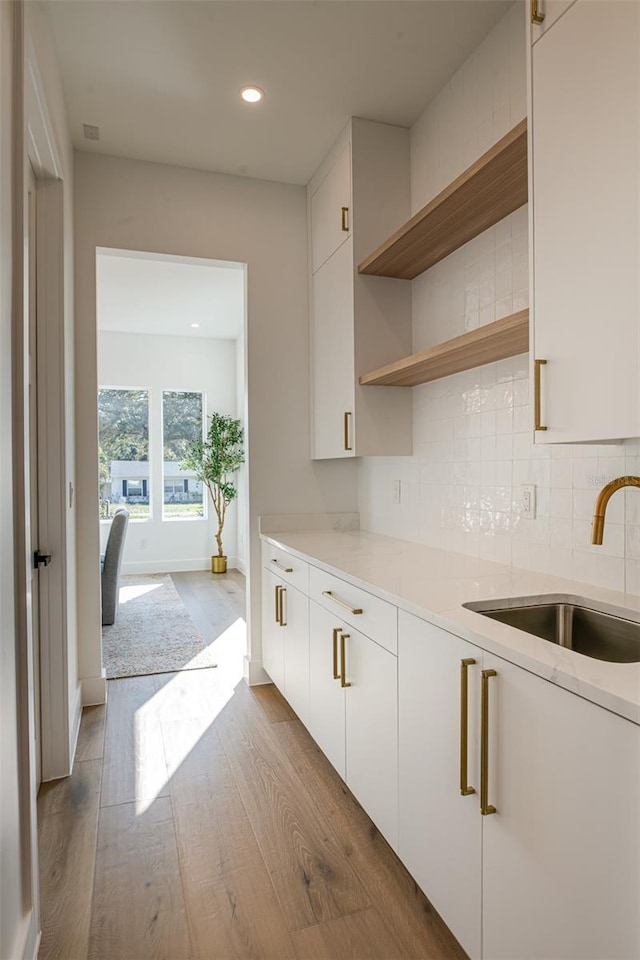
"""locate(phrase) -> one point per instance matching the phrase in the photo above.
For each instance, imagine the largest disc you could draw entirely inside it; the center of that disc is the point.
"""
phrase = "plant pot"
(218, 564)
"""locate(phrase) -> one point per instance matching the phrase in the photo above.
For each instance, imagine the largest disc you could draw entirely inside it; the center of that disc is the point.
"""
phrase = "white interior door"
(33, 471)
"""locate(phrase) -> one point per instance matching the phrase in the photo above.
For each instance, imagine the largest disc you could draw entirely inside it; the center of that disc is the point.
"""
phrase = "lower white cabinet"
(285, 641)
(440, 831)
(353, 714)
(554, 872)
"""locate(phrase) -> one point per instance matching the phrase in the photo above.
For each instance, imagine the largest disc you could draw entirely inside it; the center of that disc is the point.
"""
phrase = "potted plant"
(214, 460)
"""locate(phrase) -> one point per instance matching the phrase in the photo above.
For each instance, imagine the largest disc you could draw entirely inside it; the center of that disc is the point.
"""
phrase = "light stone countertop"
(433, 584)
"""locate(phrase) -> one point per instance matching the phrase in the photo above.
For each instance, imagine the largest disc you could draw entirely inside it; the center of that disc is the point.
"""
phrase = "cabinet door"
(561, 856)
(372, 730)
(330, 226)
(440, 830)
(551, 11)
(272, 632)
(326, 696)
(296, 651)
(586, 217)
(333, 356)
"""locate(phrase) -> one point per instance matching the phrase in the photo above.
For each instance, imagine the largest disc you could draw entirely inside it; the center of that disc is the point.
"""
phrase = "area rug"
(153, 632)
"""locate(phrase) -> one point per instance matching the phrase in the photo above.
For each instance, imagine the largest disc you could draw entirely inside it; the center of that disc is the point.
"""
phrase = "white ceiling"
(161, 78)
(151, 293)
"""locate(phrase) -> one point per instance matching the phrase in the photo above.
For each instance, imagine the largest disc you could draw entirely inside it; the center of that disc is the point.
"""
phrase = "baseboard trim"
(28, 939)
(94, 691)
(254, 672)
(76, 718)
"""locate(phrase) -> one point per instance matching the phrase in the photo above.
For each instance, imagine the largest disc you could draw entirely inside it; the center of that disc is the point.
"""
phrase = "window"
(181, 425)
(123, 437)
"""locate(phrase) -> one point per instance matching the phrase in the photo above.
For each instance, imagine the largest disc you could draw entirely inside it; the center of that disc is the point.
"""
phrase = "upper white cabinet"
(358, 196)
(330, 210)
(585, 223)
(544, 14)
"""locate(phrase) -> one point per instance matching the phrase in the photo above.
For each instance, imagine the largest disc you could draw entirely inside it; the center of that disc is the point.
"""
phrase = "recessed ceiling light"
(252, 94)
(195, 325)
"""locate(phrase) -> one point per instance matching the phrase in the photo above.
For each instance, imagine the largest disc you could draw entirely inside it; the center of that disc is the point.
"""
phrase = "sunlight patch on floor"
(219, 683)
(135, 590)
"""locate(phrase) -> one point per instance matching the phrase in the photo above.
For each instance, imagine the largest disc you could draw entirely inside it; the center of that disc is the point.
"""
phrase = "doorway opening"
(171, 353)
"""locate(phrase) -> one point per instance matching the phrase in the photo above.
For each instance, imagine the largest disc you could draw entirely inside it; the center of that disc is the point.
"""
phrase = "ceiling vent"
(90, 132)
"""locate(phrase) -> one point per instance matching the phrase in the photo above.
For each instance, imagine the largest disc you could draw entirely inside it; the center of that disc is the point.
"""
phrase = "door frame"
(60, 713)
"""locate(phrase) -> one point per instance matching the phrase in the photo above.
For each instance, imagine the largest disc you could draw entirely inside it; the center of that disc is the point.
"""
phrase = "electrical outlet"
(529, 501)
(397, 491)
(144, 543)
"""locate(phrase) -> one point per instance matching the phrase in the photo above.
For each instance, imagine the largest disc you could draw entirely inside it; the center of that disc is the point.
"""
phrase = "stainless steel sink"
(595, 630)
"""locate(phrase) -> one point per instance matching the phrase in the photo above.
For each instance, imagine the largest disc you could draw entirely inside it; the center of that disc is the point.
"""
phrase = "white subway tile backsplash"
(473, 439)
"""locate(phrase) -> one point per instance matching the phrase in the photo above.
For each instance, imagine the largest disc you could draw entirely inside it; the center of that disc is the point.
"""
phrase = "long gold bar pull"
(283, 622)
(336, 634)
(485, 807)
(345, 220)
(343, 667)
(537, 416)
(278, 589)
(536, 16)
(356, 611)
(347, 430)
(465, 789)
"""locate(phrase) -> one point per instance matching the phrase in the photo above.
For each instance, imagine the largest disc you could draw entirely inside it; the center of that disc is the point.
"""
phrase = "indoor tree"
(214, 460)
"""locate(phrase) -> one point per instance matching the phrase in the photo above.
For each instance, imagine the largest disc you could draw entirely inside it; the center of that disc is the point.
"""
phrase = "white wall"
(134, 205)
(473, 447)
(171, 363)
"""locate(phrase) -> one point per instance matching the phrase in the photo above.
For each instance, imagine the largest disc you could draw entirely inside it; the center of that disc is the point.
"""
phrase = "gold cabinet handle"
(485, 807)
(536, 16)
(286, 569)
(465, 789)
(343, 668)
(345, 220)
(277, 613)
(537, 366)
(347, 430)
(336, 634)
(283, 622)
(355, 611)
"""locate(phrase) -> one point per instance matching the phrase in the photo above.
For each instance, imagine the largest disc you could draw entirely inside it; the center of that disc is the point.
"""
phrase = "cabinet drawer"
(375, 617)
(287, 567)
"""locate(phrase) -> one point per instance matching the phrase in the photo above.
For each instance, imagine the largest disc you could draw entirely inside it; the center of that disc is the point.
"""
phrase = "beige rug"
(153, 632)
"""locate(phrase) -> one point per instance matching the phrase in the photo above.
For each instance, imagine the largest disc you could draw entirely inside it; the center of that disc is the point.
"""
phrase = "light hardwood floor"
(202, 821)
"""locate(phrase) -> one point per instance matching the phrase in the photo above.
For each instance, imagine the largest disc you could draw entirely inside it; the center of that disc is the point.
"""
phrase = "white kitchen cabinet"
(440, 839)
(561, 856)
(550, 10)
(554, 872)
(585, 222)
(330, 210)
(327, 721)
(272, 631)
(285, 640)
(353, 714)
(358, 322)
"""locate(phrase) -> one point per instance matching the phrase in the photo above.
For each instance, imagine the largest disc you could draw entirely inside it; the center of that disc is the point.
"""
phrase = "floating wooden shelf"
(493, 187)
(495, 341)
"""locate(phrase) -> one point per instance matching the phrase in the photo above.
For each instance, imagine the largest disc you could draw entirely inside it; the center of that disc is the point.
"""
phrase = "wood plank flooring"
(202, 822)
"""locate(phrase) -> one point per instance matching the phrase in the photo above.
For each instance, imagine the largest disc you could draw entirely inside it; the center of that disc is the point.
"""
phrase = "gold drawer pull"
(343, 670)
(283, 622)
(344, 223)
(341, 603)
(336, 634)
(536, 16)
(537, 416)
(347, 430)
(485, 807)
(286, 569)
(465, 789)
